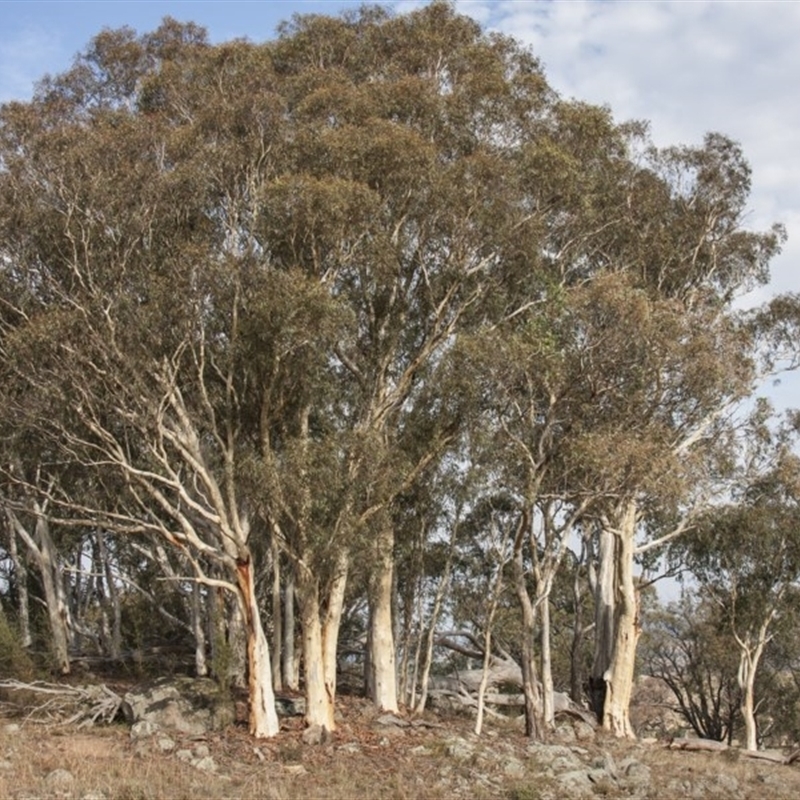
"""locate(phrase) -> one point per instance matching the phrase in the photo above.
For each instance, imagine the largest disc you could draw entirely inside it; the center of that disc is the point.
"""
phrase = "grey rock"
(165, 744)
(575, 783)
(459, 748)
(6, 765)
(583, 731)
(601, 778)
(635, 773)
(11, 728)
(565, 733)
(728, 782)
(290, 706)
(514, 768)
(59, 777)
(192, 706)
(201, 750)
(606, 762)
(391, 720)
(94, 794)
(143, 729)
(350, 747)
(185, 755)
(316, 734)
(205, 764)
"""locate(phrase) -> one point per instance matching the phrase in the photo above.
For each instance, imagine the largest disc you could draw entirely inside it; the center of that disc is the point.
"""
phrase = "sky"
(688, 67)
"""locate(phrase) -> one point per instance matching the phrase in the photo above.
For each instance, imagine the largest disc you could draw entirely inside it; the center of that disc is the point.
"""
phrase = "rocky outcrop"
(185, 705)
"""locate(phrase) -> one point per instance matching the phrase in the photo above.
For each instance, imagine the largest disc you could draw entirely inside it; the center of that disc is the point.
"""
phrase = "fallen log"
(713, 746)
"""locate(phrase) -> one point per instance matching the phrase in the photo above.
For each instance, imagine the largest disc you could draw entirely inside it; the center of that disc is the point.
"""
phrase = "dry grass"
(362, 761)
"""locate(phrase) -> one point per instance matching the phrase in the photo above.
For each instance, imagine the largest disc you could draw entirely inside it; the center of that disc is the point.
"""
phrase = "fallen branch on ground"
(67, 705)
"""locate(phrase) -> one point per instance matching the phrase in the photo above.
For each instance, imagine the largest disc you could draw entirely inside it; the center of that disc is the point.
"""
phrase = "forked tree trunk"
(263, 716)
(43, 550)
(749, 658)
(319, 695)
(333, 621)
(383, 672)
(747, 707)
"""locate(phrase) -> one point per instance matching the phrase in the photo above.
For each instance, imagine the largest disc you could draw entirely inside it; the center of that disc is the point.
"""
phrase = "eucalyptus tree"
(680, 359)
(107, 235)
(243, 279)
(745, 556)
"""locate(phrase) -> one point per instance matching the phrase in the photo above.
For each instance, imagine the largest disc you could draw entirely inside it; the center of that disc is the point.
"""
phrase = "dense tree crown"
(350, 319)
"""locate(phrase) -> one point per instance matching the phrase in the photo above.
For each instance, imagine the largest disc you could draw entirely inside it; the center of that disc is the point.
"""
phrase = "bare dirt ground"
(363, 759)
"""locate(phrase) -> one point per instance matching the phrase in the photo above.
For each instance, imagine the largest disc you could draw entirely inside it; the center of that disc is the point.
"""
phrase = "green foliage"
(287, 289)
(15, 662)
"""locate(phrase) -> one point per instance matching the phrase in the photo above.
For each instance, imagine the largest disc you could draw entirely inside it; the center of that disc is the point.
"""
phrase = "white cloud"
(688, 68)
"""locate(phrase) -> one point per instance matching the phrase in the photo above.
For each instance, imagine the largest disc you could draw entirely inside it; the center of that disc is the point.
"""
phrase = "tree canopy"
(263, 302)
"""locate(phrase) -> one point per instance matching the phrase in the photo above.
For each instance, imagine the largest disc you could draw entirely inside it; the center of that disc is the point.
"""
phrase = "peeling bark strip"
(617, 631)
(263, 716)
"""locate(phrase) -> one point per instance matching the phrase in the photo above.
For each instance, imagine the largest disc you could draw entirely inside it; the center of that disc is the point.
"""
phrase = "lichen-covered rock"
(191, 706)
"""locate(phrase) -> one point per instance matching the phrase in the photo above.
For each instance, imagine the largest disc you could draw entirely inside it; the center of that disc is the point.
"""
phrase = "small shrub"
(15, 662)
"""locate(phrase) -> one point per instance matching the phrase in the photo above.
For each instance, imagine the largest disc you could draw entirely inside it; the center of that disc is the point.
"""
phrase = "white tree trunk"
(333, 621)
(44, 553)
(263, 716)
(749, 658)
(548, 707)
(619, 675)
(277, 617)
(319, 696)
(383, 671)
(291, 671)
(530, 684)
(198, 628)
(112, 593)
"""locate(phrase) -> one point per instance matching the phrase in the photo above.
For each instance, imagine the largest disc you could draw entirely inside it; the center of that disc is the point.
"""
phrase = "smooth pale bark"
(548, 706)
(112, 593)
(530, 684)
(198, 629)
(749, 658)
(291, 671)
(319, 695)
(382, 665)
(44, 553)
(618, 677)
(441, 591)
(487, 641)
(333, 621)
(604, 612)
(263, 716)
(576, 648)
(277, 617)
